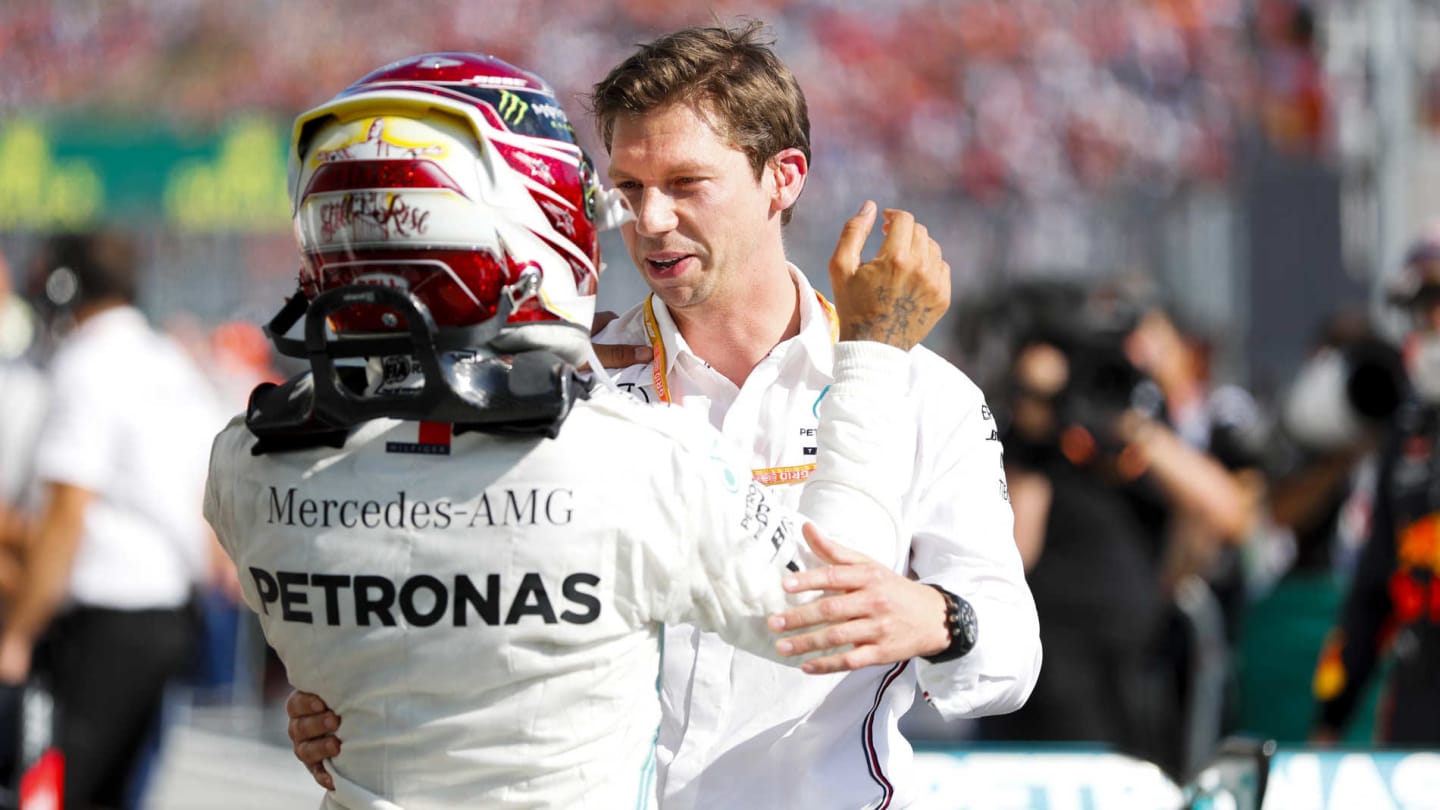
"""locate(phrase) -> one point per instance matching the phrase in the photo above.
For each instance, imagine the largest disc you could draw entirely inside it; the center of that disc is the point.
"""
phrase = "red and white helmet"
(452, 177)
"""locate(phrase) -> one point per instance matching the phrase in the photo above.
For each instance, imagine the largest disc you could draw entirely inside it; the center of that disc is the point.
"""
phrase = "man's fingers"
(899, 235)
(920, 241)
(829, 550)
(847, 661)
(303, 704)
(936, 259)
(322, 777)
(852, 240)
(312, 726)
(601, 320)
(853, 633)
(315, 751)
(620, 356)
(841, 578)
(827, 610)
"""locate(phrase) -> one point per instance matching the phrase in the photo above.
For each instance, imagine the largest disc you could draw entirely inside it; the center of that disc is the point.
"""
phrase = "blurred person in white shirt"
(104, 608)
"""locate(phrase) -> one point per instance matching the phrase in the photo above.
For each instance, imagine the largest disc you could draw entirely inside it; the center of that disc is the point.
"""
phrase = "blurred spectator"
(1320, 502)
(104, 608)
(1091, 565)
(22, 406)
(1393, 604)
(1294, 98)
(1222, 421)
(1101, 486)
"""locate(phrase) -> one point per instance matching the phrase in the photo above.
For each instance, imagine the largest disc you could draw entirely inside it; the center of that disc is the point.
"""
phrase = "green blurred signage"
(56, 174)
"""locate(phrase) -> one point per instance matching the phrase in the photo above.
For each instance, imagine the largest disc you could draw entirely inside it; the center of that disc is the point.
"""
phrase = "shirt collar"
(815, 337)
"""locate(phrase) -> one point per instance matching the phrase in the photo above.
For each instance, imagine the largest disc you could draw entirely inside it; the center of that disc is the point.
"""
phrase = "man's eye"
(627, 185)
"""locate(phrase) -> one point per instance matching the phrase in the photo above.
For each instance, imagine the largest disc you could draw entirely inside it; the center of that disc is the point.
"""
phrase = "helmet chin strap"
(463, 380)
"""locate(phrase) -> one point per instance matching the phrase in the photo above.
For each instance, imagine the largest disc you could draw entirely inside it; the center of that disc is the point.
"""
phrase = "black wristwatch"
(960, 624)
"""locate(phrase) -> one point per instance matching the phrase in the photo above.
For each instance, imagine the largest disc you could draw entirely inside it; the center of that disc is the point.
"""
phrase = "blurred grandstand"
(1045, 137)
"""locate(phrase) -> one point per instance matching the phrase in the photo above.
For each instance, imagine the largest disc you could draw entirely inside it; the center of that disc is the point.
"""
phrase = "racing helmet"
(455, 180)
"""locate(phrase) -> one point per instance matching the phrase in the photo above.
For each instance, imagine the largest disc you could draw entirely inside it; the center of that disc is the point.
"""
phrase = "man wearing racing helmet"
(1394, 598)
(709, 142)
(446, 533)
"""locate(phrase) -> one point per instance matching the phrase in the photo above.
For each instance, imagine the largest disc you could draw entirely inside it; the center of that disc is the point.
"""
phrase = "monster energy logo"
(512, 108)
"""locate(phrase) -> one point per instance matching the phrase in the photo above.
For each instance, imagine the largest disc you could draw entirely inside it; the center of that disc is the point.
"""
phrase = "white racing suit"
(486, 612)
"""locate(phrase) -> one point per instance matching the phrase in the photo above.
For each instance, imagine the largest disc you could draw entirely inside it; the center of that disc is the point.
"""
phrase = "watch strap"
(960, 623)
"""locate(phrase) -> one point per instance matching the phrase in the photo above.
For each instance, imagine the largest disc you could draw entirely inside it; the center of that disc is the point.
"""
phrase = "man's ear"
(788, 169)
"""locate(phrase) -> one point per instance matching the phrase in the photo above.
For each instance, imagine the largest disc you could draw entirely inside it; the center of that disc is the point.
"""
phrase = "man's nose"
(654, 213)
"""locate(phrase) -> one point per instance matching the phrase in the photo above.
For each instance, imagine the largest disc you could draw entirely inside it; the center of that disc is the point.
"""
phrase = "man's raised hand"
(896, 297)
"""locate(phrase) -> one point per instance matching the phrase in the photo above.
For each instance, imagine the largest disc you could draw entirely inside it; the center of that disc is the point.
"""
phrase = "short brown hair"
(105, 264)
(730, 73)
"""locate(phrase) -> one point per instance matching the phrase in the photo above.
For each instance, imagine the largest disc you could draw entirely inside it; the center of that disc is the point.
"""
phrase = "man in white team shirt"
(709, 144)
(465, 549)
(739, 334)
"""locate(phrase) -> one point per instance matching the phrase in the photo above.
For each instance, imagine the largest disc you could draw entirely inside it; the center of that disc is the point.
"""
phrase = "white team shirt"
(741, 731)
(24, 399)
(130, 418)
(488, 621)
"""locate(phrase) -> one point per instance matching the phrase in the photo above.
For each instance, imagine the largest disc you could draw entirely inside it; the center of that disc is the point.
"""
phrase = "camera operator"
(1098, 480)
(1393, 604)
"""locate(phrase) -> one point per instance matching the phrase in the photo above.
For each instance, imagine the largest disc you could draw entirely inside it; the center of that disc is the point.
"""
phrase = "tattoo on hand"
(894, 324)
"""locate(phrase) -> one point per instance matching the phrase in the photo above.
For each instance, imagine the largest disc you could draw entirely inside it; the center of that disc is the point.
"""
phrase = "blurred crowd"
(1207, 563)
(1027, 123)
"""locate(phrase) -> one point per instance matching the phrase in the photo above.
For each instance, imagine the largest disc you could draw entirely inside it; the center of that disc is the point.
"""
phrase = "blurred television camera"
(1072, 382)
(1348, 388)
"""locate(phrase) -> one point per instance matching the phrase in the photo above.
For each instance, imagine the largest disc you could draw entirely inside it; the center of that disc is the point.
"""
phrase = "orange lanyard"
(767, 477)
(657, 344)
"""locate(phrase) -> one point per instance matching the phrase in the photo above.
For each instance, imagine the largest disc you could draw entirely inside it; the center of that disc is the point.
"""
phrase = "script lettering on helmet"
(372, 215)
(375, 145)
(426, 600)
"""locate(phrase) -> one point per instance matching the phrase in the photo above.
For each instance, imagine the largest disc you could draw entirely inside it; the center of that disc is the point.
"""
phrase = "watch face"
(969, 627)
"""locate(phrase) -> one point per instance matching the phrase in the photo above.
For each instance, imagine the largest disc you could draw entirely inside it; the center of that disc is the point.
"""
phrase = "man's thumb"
(852, 240)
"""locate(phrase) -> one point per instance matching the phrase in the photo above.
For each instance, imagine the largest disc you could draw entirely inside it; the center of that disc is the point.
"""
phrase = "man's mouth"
(667, 264)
